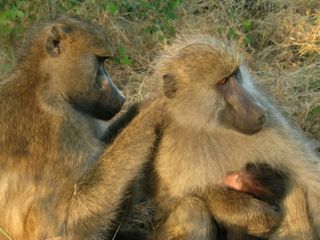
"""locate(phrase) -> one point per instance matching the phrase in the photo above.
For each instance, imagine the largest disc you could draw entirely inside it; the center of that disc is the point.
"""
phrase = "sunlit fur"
(196, 151)
(179, 58)
(57, 178)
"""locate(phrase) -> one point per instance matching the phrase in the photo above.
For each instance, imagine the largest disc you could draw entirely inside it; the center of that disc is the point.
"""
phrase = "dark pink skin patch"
(244, 182)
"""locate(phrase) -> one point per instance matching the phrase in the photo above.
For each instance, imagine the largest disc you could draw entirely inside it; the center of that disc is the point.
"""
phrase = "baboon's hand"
(188, 219)
(261, 218)
(237, 210)
(152, 111)
(126, 118)
(140, 106)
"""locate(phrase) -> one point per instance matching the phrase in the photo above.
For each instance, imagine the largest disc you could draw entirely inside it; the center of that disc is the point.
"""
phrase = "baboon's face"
(97, 95)
(75, 60)
(242, 111)
(208, 88)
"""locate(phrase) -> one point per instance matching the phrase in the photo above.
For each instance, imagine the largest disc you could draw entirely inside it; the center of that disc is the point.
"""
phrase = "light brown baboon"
(220, 128)
(57, 179)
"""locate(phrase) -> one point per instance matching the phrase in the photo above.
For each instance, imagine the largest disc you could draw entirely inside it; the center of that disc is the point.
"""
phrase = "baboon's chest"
(188, 162)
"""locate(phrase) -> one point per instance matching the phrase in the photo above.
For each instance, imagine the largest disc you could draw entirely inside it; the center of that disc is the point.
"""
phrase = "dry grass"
(281, 40)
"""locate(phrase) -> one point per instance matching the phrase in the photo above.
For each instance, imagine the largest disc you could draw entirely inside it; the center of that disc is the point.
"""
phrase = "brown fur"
(57, 179)
(197, 151)
(189, 219)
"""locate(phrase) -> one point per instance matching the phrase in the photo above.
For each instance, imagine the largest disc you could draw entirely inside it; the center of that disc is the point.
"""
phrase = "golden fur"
(57, 178)
(196, 152)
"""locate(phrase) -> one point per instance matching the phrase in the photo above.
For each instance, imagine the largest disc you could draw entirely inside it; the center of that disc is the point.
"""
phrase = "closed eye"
(236, 73)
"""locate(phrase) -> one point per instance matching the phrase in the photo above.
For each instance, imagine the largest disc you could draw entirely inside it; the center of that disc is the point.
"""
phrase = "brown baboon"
(57, 179)
(218, 127)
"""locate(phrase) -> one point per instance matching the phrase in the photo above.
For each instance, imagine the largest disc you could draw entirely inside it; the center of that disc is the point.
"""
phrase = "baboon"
(57, 178)
(219, 126)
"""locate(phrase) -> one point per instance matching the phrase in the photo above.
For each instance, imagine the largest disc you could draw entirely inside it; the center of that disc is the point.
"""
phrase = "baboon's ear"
(169, 85)
(53, 41)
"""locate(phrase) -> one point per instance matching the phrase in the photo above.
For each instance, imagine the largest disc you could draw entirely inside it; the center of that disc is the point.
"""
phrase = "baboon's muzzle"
(242, 112)
(103, 100)
(111, 98)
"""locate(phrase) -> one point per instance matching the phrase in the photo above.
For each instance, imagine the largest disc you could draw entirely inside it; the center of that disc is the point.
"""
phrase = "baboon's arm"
(188, 219)
(297, 223)
(242, 212)
(103, 189)
(118, 125)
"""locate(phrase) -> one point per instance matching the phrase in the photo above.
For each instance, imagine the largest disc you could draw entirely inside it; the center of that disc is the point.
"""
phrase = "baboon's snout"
(243, 112)
(255, 118)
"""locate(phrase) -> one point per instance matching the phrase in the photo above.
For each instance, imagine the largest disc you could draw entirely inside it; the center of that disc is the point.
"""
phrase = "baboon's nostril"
(262, 119)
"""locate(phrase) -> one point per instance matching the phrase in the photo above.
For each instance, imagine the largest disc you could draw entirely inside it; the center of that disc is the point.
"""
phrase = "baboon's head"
(71, 56)
(207, 87)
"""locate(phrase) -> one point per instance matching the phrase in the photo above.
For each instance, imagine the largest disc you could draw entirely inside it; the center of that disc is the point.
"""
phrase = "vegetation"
(280, 40)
